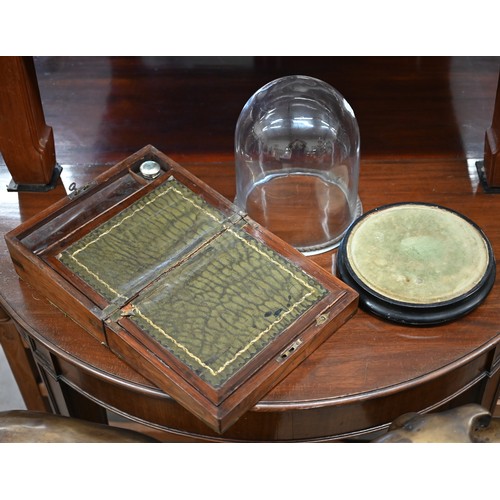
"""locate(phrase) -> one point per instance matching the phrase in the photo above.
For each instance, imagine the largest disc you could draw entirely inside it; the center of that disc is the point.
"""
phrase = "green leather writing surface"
(123, 254)
(197, 283)
(225, 304)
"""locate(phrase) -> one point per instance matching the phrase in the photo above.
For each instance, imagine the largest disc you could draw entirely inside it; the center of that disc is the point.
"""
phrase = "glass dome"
(297, 162)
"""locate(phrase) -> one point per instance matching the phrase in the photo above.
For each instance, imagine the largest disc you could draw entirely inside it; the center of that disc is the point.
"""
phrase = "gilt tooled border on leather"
(307, 292)
(245, 310)
(160, 229)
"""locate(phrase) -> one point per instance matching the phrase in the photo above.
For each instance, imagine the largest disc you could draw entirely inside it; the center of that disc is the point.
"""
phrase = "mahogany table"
(367, 374)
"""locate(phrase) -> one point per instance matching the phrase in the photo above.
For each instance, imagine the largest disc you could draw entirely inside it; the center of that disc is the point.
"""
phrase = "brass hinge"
(289, 350)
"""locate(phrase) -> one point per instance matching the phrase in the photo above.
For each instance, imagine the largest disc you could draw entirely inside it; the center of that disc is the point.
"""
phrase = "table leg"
(22, 365)
(63, 398)
(26, 142)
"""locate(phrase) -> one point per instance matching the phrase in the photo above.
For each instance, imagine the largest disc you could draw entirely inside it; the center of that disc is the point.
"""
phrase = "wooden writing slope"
(190, 292)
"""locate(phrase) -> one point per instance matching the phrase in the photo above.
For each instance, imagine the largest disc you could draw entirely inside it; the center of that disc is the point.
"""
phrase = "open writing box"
(210, 306)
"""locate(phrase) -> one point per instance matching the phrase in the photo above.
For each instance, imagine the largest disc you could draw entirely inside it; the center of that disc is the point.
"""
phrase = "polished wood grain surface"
(102, 109)
(422, 122)
(22, 121)
(492, 147)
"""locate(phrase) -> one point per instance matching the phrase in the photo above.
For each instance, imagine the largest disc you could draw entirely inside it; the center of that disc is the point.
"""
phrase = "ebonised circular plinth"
(417, 263)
